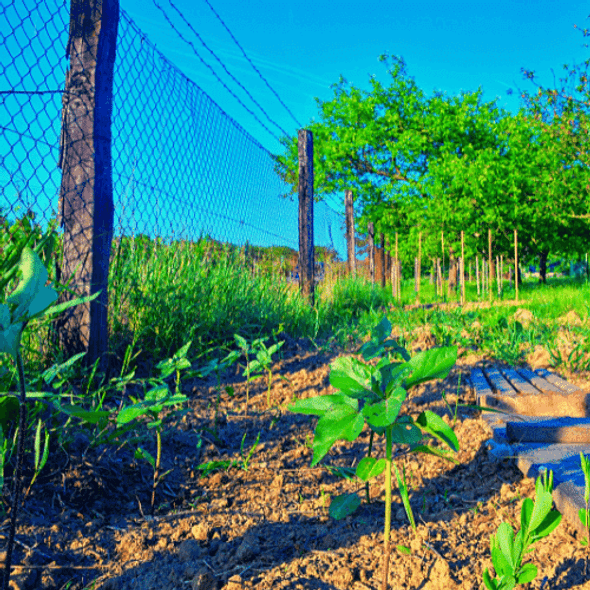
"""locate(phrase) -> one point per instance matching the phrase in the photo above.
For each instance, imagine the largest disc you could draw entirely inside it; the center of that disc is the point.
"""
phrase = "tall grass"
(164, 295)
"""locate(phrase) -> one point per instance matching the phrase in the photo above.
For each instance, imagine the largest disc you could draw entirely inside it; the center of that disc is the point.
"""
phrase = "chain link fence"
(182, 168)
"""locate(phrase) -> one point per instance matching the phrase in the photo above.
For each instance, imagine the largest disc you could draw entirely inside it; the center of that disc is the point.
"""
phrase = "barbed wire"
(223, 66)
(250, 62)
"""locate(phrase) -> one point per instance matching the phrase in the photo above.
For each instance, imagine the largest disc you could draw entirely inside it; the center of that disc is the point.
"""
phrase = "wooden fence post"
(350, 241)
(382, 257)
(490, 269)
(462, 268)
(86, 208)
(516, 264)
(306, 246)
(371, 231)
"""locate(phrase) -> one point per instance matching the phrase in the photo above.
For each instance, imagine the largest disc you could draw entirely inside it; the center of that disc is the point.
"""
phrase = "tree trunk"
(543, 267)
(452, 273)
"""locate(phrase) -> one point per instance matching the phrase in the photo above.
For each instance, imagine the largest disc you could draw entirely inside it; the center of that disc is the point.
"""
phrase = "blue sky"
(301, 49)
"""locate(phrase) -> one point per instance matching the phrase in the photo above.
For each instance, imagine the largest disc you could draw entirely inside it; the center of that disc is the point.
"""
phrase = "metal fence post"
(306, 246)
(86, 207)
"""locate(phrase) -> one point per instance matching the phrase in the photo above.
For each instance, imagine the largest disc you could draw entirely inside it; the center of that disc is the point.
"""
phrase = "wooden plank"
(561, 383)
(563, 430)
(499, 384)
(539, 382)
(520, 384)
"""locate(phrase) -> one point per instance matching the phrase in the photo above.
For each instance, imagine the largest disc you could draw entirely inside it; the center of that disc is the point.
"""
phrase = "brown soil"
(82, 525)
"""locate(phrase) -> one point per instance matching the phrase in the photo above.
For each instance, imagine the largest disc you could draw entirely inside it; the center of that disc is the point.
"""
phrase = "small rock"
(248, 549)
(189, 550)
(200, 532)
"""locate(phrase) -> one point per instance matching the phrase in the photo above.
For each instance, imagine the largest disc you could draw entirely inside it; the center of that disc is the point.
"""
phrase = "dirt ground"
(86, 522)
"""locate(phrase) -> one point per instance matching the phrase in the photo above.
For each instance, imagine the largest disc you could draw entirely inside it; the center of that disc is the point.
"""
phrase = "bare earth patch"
(268, 527)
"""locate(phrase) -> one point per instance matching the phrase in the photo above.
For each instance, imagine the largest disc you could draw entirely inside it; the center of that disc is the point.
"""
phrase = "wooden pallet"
(546, 426)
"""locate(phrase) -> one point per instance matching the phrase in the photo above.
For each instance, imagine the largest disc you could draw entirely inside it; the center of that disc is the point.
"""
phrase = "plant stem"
(387, 547)
(368, 455)
(156, 467)
(16, 483)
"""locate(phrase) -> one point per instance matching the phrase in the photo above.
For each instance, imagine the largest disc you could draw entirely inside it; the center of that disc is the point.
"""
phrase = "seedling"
(375, 395)
(32, 298)
(537, 521)
(263, 363)
(154, 402)
(210, 466)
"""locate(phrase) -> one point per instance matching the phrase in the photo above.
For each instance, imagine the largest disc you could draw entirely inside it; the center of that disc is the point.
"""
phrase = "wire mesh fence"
(182, 167)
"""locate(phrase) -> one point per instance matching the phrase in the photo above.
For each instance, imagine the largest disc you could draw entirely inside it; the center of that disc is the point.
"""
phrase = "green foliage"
(537, 521)
(373, 395)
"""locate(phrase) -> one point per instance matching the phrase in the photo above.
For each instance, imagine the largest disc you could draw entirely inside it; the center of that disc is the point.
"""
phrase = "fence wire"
(182, 167)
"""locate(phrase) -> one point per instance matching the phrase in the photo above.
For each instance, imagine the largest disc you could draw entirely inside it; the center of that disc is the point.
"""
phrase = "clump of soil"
(265, 523)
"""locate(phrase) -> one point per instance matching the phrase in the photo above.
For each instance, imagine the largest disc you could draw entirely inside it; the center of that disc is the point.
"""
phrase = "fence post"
(382, 260)
(350, 242)
(371, 230)
(306, 247)
(86, 208)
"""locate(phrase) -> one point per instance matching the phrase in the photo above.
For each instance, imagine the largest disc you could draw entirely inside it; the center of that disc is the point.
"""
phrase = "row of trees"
(424, 164)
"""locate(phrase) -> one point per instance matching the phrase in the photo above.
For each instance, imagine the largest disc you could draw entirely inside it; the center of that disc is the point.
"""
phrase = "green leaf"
(528, 572)
(343, 506)
(431, 364)
(342, 422)
(344, 472)
(141, 453)
(31, 297)
(405, 434)
(49, 374)
(320, 404)
(382, 330)
(386, 411)
(442, 453)
(549, 524)
(505, 539)
(433, 424)
(370, 467)
(351, 377)
(525, 514)
(583, 514)
(90, 416)
(541, 509)
(489, 582)
(10, 333)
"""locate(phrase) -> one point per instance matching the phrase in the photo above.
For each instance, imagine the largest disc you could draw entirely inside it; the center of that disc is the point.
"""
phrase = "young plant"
(584, 514)
(216, 366)
(537, 521)
(375, 395)
(226, 465)
(246, 350)
(262, 364)
(31, 298)
(154, 402)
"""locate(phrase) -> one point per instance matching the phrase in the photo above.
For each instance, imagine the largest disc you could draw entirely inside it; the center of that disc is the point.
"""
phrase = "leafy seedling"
(32, 298)
(374, 395)
(537, 521)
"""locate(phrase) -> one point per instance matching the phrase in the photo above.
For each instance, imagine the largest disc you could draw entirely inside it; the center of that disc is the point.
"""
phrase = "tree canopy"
(419, 163)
